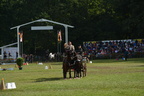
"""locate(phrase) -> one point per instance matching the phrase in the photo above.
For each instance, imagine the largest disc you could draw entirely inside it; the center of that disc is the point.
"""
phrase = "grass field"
(104, 78)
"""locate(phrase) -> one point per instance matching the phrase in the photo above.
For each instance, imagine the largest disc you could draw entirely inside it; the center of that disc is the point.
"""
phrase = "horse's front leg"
(69, 73)
(80, 73)
(64, 74)
(75, 73)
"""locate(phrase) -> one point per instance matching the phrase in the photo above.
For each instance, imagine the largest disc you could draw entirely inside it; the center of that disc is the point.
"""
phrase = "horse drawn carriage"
(74, 62)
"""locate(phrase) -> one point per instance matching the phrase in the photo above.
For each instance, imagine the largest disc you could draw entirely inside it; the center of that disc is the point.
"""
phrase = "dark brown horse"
(71, 63)
(67, 66)
(78, 66)
(84, 67)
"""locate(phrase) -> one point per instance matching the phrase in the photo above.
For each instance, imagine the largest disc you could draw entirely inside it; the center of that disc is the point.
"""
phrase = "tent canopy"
(42, 20)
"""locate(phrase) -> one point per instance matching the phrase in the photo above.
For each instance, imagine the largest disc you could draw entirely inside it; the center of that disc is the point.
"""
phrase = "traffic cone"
(16, 66)
(2, 86)
(50, 67)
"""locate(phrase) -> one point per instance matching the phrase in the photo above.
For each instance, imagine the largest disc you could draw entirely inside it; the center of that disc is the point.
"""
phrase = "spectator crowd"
(98, 49)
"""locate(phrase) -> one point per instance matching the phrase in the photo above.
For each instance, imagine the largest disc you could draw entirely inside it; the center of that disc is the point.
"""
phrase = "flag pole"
(18, 45)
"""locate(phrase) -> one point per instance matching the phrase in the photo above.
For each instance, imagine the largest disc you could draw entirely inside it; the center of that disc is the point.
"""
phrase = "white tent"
(41, 20)
(2, 48)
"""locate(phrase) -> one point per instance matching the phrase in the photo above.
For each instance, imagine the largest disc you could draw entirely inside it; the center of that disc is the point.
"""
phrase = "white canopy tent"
(41, 20)
(2, 48)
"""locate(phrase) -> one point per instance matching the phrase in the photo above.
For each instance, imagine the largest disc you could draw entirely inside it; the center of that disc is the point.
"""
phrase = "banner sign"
(59, 36)
(42, 28)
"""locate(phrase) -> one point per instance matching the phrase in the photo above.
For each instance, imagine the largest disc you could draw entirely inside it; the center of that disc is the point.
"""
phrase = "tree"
(94, 20)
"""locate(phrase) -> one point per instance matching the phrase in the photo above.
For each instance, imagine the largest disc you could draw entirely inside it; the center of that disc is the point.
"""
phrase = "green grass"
(104, 78)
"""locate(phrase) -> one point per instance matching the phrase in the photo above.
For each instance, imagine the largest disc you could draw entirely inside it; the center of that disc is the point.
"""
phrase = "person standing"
(126, 54)
(5, 55)
(16, 55)
(31, 58)
(9, 54)
(47, 55)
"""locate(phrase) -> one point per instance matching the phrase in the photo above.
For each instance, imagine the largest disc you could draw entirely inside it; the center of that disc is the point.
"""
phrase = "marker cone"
(2, 86)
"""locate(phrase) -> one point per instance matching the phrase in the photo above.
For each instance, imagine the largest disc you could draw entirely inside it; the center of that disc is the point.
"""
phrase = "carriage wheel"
(84, 69)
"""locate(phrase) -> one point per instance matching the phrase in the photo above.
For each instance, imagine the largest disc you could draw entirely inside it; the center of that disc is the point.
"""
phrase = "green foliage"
(93, 20)
(19, 61)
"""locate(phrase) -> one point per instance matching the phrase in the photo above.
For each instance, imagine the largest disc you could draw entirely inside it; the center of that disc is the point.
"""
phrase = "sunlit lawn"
(104, 78)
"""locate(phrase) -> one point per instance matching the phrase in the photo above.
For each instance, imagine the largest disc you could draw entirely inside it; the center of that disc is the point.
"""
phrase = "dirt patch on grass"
(105, 67)
(112, 70)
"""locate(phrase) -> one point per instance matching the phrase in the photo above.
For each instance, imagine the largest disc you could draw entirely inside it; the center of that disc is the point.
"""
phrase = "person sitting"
(66, 47)
(71, 47)
(79, 53)
(80, 50)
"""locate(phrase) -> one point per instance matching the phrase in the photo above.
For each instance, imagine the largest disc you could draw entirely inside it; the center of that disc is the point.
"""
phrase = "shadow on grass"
(48, 79)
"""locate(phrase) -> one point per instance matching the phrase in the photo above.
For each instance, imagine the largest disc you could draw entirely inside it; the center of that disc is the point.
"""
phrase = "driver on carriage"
(69, 47)
(66, 47)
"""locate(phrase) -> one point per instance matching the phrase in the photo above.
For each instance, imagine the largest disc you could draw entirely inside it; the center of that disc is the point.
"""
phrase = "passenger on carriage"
(80, 50)
(79, 53)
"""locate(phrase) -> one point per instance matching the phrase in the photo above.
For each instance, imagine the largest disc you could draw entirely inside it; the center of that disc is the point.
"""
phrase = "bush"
(19, 61)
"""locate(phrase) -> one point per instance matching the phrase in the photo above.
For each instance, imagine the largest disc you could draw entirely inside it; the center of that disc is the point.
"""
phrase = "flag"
(59, 36)
(21, 36)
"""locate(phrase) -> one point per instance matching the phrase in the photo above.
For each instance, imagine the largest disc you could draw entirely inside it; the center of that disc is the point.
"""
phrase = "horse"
(84, 68)
(72, 62)
(78, 66)
(67, 64)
